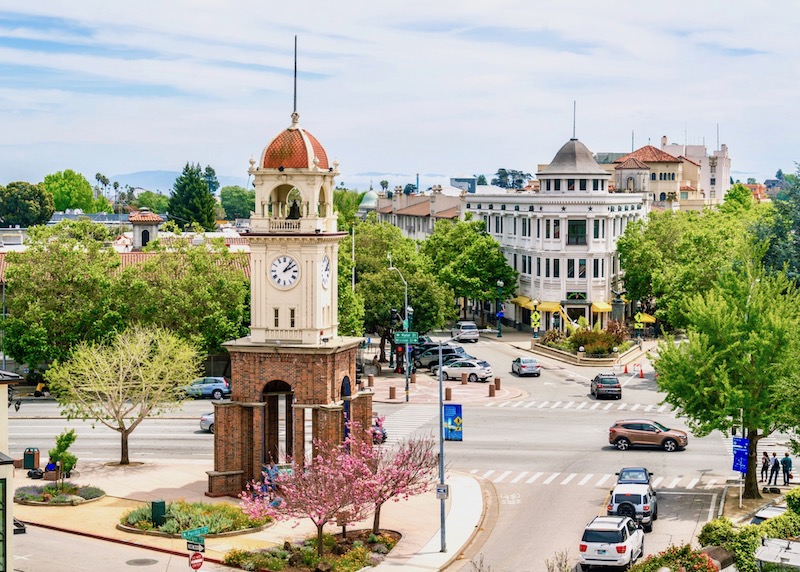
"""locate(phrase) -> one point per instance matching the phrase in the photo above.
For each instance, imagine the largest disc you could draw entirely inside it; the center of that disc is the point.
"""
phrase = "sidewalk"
(129, 487)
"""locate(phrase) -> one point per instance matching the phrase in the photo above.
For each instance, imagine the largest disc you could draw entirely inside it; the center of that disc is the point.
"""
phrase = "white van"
(465, 332)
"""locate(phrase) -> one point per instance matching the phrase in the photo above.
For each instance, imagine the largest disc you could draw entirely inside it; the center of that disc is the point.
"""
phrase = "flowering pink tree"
(409, 471)
(334, 486)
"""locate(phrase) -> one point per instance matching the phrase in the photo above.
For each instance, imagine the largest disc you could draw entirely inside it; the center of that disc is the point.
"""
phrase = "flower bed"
(220, 518)
(55, 494)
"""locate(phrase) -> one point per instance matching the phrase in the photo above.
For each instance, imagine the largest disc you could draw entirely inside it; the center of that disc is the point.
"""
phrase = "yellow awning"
(528, 305)
(520, 300)
(601, 307)
(548, 306)
(647, 318)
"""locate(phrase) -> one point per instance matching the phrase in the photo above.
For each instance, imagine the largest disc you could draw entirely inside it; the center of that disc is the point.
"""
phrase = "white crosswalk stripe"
(580, 405)
(404, 422)
(522, 478)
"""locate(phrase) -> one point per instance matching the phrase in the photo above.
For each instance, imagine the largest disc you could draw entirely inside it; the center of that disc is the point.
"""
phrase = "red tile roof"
(144, 216)
(688, 160)
(632, 163)
(447, 213)
(290, 150)
(422, 208)
(688, 188)
(649, 154)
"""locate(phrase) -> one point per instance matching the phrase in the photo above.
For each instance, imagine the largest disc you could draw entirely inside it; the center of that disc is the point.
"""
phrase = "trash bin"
(158, 509)
(30, 459)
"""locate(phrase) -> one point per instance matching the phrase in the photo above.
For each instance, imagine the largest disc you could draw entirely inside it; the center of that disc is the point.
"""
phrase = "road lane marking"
(491, 404)
(487, 474)
(533, 478)
(556, 404)
(601, 481)
(550, 479)
(582, 405)
(569, 478)
(518, 403)
(607, 407)
(622, 406)
(501, 477)
(585, 479)
(542, 404)
(568, 405)
(662, 408)
(657, 482)
(648, 408)
(674, 483)
(595, 406)
(531, 404)
(692, 483)
(504, 404)
(634, 407)
(519, 477)
(710, 484)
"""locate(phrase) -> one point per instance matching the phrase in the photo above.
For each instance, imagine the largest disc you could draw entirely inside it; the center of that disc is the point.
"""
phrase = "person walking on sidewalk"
(774, 467)
(764, 466)
(786, 464)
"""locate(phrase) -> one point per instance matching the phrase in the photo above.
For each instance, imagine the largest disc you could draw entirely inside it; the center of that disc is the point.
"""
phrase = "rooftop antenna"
(631, 140)
(574, 111)
(295, 75)
(717, 136)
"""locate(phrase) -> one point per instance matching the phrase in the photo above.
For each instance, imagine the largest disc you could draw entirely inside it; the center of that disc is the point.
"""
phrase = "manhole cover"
(141, 562)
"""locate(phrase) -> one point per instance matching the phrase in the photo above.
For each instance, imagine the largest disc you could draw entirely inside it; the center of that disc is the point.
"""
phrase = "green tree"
(781, 232)
(102, 205)
(70, 190)
(25, 205)
(136, 375)
(384, 184)
(481, 180)
(346, 203)
(156, 202)
(237, 202)
(191, 201)
(741, 358)
(409, 189)
(737, 198)
(350, 303)
(210, 177)
(510, 179)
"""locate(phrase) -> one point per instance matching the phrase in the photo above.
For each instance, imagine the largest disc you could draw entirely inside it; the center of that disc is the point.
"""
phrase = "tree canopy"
(25, 205)
(156, 202)
(781, 232)
(191, 200)
(70, 190)
(742, 355)
(137, 374)
(237, 202)
(510, 179)
(346, 203)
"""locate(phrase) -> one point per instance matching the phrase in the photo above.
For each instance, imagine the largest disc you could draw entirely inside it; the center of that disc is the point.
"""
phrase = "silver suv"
(636, 501)
(610, 541)
(465, 331)
(431, 356)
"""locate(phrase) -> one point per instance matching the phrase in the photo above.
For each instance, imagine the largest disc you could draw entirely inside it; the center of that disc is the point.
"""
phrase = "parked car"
(610, 541)
(207, 422)
(606, 385)
(431, 355)
(636, 501)
(634, 475)
(474, 368)
(526, 366)
(465, 331)
(214, 387)
(627, 432)
(766, 513)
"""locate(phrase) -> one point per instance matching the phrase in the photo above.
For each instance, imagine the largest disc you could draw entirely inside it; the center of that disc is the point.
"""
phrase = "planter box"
(51, 475)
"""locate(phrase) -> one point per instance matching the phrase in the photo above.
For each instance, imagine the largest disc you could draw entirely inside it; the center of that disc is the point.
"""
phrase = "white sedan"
(474, 368)
(526, 366)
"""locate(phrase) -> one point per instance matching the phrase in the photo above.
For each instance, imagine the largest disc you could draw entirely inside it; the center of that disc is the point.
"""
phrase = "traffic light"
(393, 318)
(399, 359)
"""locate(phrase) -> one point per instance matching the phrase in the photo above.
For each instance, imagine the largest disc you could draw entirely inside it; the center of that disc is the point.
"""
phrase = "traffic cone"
(641, 371)
(626, 368)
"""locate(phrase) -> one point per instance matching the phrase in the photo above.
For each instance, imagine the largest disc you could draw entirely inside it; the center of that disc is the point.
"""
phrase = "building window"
(583, 184)
(582, 268)
(570, 184)
(515, 262)
(557, 184)
(538, 228)
(556, 228)
(276, 315)
(713, 181)
(547, 268)
(652, 176)
(576, 232)
(538, 266)
(556, 268)
(547, 228)
(684, 195)
(596, 269)
(595, 184)
(498, 225)
(514, 226)
(596, 228)
(291, 317)
(547, 185)
(570, 268)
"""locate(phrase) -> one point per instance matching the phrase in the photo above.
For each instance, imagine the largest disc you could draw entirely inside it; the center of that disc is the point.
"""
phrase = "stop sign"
(196, 560)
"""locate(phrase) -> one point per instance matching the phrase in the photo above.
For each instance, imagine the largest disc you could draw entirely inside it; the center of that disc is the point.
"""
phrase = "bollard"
(448, 393)
(626, 368)
(392, 393)
(641, 371)
(370, 380)
(497, 383)
(413, 378)
(463, 379)
(491, 390)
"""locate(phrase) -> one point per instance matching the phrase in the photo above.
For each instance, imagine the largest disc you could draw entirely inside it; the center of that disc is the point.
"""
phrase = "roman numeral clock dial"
(284, 271)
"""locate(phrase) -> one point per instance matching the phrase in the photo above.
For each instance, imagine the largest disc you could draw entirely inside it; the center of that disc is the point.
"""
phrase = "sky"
(442, 88)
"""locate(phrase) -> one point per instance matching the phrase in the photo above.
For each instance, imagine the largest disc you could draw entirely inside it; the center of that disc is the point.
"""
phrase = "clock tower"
(294, 367)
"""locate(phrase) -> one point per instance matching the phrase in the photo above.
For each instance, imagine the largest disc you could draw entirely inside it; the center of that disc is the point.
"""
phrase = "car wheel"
(418, 363)
(211, 428)
(582, 568)
(626, 509)
(619, 396)
(622, 444)
(537, 374)
(217, 394)
(670, 445)
(445, 376)
(472, 377)
(648, 527)
(655, 514)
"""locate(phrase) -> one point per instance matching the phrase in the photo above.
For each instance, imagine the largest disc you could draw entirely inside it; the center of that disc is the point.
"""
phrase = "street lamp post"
(500, 285)
(405, 321)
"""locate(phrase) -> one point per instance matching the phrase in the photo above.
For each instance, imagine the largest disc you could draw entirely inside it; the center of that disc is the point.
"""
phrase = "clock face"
(284, 271)
(325, 271)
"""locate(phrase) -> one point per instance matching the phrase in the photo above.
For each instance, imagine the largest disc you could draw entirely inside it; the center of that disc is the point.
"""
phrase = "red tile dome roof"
(294, 148)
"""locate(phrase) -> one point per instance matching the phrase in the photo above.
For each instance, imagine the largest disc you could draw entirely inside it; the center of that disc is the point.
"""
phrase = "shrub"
(618, 330)
(793, 500)
(355, 559)
(552, 336)
(717, 532)
(677, 558)
(744, 546)
(182, 515)
(602, 341)
(89, 493)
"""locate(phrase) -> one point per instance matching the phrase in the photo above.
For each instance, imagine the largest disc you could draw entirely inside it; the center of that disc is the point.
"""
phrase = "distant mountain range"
(162, 181)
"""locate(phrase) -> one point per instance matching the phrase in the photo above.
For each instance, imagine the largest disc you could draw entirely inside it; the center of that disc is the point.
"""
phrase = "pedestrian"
(764, 466)
(786, 464)
(774, 467)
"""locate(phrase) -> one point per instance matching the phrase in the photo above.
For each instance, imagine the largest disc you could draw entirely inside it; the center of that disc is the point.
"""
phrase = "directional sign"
(740, 446)
(194, 532)
(196, 546)
(406, 337)
(442, 491)
(196, 560)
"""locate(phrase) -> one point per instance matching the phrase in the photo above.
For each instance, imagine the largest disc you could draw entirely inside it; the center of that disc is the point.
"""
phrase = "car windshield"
(602, 536)
(483, 364)
(632, 475)
(527, 361)
(660, 426)
(607, 381)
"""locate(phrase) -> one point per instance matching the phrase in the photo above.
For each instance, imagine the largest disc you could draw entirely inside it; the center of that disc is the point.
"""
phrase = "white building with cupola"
(562, 239)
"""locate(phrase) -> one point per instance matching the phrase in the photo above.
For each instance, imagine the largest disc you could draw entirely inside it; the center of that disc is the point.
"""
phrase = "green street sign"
(194, 534)
(406, 337)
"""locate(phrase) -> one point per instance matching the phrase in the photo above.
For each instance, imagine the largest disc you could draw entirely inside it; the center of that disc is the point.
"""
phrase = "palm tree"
(384, 185)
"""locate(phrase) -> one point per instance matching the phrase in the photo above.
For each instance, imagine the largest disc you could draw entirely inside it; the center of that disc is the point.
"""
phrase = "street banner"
(740, 447)
(453, 421)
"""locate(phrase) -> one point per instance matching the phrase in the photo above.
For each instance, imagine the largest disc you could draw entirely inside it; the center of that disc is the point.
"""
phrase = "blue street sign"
(740, 447)
(453, 422)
